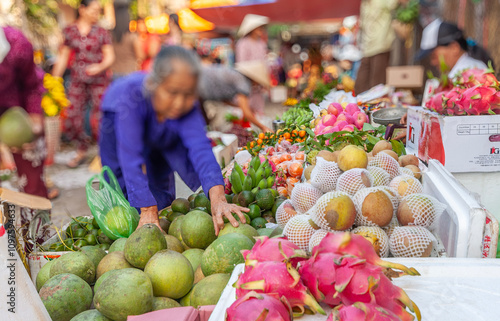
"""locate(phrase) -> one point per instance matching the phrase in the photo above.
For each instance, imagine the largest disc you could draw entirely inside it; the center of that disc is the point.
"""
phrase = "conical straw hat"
(250, 23)
(256, 70)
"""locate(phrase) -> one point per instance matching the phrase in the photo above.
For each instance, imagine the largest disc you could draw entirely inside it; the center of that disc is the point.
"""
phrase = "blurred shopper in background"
(94, 55)
(377, 36)
(252, 47)
(150, 45)
(126, 44)
(174, 37)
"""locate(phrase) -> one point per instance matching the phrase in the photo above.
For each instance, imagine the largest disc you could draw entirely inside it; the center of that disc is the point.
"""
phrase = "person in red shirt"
(94, 54)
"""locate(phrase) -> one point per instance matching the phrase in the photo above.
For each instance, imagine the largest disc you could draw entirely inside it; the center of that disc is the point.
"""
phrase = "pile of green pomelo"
(151, 270)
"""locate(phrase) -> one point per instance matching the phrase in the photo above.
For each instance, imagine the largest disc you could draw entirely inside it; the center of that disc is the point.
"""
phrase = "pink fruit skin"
(327, 130)
(349, 128)
(328, 120)
(274, 277)
(318, 274)
(335, 109)
(351, 108)
(361, 312)
(318, 129)
(266, 249)
(340, 123)
(342, 116)
(254, 305)
(360, 118)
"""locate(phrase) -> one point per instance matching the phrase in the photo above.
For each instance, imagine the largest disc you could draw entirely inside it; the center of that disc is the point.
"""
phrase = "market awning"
(279, 11)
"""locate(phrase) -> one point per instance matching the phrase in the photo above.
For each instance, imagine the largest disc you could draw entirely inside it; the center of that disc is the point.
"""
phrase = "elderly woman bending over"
(154, 120)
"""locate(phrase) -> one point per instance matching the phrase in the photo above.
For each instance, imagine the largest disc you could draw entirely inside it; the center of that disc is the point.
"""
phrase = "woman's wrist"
(216, 194)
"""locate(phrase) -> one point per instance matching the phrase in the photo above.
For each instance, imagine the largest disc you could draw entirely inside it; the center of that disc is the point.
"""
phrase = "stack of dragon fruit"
(473, 92)
(281, 282)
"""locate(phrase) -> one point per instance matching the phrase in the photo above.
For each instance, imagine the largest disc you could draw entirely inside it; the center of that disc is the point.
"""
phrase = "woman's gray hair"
(164, 65)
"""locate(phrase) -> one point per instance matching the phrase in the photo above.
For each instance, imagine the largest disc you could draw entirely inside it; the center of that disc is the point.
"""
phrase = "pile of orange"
(271, 139)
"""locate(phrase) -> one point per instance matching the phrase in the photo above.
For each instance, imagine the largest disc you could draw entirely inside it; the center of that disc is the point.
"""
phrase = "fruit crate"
(448, 289)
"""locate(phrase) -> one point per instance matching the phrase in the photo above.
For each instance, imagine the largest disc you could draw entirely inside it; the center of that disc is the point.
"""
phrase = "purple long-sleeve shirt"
(21, 84)
(132, 136)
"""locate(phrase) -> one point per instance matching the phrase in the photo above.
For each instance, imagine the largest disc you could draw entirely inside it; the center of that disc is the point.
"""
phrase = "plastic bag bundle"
(316, 238)
(387, 163)
(382, 211)
(320, 212)
(379, 176)
(405, 171)
(420, 210)
(299, 231)
(353, 180)
(390, 228)
(284, 213)
(405, 185)
(411, 241)
(242, 157)
(376, 236)
(108, 205)
(304, 196)
(324, 175)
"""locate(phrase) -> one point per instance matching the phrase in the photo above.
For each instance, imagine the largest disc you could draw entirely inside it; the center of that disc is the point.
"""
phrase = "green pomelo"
(65, 295)
(198, 230)
(225, 253)
(164, 224)
(175, 227)
(15, 127)
(180, 205)
(258, 223)
(121, 220)
(254, 211)
(174, 244)
(118, 245)
(90, 315)
(43, 275)
(94, 253)
(185, 301)
(113, 261)
(194, 257)
(244, 229)
(265, 199)
(201, 200)
(173, 215)
(171, 274)
(161, 303)
(209, 290)
(245, 198)
(76, 263)
(102, 278)
(123, 293)
(143, 244)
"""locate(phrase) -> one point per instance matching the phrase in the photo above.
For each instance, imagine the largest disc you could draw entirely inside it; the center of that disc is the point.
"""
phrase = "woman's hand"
(149, 215)
(93, 69)
(221, 208)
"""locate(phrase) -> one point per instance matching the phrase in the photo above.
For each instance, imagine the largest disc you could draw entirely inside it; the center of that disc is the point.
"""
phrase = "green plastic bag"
(110, 208)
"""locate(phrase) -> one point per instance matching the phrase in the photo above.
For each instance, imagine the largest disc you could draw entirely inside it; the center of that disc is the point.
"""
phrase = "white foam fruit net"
(424, 209)
(406, 185)
(319, 213)
(284, 213)
(379, 176)
(353, 180)
(405, 171)
(316, 238)
(411, 241)
(299, 231)
(387, 163)
(376, 236)
(304, 196)
(324, 175)
(382, 216)
(390, 228)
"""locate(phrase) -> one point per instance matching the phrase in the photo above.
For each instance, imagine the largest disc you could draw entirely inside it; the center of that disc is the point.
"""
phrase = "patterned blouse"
(88, 50)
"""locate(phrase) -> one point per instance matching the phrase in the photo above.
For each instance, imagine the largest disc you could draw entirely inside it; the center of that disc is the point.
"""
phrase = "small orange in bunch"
(259, 141)
(302, 134)
(295, 169)
(299, 156)
(286, 135)
(252, 144)
(275, 160)
(295, 133)
(285, 157)
(262, 135)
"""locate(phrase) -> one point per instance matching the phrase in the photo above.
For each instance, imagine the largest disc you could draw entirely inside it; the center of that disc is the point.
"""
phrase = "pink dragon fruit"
(356, 245)
(280, 278)
(318, 274)
(436, 102)
(358, 281)
(260, 307)
(473, 77)
(360, 311)
(275, 249)
(227, 185)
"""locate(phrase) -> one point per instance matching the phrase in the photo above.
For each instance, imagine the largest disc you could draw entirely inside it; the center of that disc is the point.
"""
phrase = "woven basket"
(52, 137)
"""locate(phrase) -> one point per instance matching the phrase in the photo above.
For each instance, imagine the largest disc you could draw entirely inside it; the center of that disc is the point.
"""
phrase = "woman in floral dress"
(94, 54)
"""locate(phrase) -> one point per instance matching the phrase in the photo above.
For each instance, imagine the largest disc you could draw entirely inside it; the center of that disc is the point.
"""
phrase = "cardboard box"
(405, 76)
(227, 151)
(460, 143)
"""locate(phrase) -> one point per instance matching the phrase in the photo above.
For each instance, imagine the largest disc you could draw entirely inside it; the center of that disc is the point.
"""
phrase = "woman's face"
(175, 96)
(449, 54)
(91, 12)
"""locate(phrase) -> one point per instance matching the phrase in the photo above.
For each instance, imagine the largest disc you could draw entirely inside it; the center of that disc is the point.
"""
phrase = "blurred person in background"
(154, 119)
(252, 47)
(94, 55)
(150, 45)
(175, 35)
(377, 36)
(126, 44)
(22, 86)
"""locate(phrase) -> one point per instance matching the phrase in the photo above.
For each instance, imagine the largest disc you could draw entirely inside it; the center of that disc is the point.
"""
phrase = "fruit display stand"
(448, 289)
(224, 153)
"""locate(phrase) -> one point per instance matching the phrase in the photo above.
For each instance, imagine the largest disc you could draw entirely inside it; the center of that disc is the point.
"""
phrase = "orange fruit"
(275, 160)
(252, 144)
(282, 166)
(282, 191)
(302, 134)
(299, 156)
(262, 135)
(286, 135)
(285, 157)
(295, 132)
(259, 141)
(295, 169)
